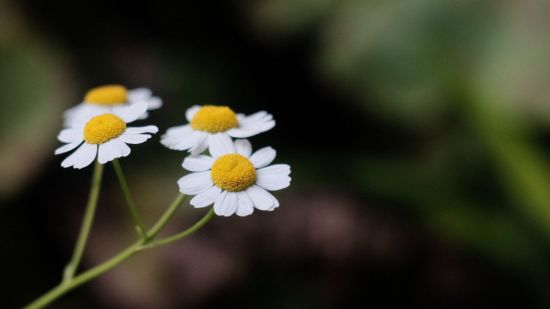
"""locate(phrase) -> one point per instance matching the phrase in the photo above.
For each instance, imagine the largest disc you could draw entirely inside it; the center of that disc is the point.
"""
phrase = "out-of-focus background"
(418, 133)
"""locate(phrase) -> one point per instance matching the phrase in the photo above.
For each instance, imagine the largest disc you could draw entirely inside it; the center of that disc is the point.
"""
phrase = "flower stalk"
(134, 212)
(138, 246)
(197, 226)
(86, 226)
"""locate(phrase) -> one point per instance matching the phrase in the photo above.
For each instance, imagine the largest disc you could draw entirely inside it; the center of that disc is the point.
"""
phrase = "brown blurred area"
(417, 132)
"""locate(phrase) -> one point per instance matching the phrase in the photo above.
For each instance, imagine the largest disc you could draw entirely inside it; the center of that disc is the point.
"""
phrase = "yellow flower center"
(233, 172)
(103, 128)
(107, 95)
(214, 119)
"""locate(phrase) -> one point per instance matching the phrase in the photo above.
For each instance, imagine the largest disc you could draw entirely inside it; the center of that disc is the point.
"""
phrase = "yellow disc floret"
(107, 95)
(233, 172)
(214, 119)
(103, 128)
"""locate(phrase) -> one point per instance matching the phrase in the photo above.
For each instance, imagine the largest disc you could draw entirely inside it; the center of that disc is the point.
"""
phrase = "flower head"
(103, 134)
(209, 124)
(234, 179)
(108, 98)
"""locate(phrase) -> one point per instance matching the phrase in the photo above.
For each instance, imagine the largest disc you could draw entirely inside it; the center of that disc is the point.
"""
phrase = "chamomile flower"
(233, 179)
(209, 124)
(104, 135)
(108, 98)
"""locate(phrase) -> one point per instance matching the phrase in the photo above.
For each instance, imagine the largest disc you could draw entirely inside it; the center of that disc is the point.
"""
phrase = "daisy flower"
(104, 135)
(109, 97)
(210, 124)
(233, 179)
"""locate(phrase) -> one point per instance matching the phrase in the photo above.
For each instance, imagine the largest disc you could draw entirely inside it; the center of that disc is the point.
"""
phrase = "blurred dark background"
(417, 131)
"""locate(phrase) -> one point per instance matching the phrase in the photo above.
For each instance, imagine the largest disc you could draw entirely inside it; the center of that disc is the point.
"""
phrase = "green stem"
(86, 226)
(166, 216)
(129, 200)
(62, 289)
(136, 247)
(197, 226)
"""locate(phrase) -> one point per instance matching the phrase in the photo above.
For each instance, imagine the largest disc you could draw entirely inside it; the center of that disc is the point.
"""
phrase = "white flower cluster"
(231, 177)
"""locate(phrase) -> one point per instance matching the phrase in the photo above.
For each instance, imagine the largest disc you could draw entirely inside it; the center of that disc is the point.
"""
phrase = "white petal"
(154, 103)
(257, 116)
(273, 183)
(88, 156)
(125, 150)
(256, 119)
(228, 205)
(182, 138)
(134, 138)
(111, 150)
(218, 203)
(119, 149)
(144, 116)
(82, 113)
(274, 177)
(146, 129)
(70, 135)
(240, 133)
(261, 198)
(245, 207)
(139, 94)
(251, 130)
(176, 135)
(92, 110)
(200, 145)
(198, 163)
(243, 147)
(190, 113)
(252, 125)
(107, 152)
(206, 198)
(74, 110)
(70, 160)
(258, 126)
(195, 183)
(220, 144)
(275, 203)
(274, 170)
(263, 157)
(67, 147)
(82, 157)
(192, 140)
(179, 129)
(131, 112)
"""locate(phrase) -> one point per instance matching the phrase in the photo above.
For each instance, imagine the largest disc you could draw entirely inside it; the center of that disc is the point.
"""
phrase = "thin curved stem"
(86, 226)
(62, 289)
(166, 216)
(136, 247)
(138, 222)
(195, 227)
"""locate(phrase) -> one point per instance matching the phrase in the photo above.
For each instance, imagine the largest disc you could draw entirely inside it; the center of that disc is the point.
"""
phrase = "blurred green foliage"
(470, 79)
(33, 86)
